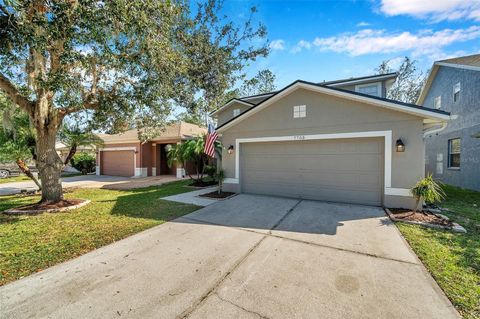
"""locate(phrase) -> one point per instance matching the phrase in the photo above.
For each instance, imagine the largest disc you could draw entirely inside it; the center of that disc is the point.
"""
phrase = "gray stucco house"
(337, 141)
(453, 151)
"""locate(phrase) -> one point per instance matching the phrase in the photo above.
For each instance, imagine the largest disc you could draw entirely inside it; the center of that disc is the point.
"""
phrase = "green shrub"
(84, 162)
(210, 170)
(428, 190)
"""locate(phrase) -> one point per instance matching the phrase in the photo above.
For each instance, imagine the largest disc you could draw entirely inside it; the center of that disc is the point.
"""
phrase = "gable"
(322, 111)
(428, 115)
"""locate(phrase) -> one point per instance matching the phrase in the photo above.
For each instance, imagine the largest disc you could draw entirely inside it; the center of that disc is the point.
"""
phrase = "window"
(454, 153)
(236, 112)
(456, 92)
(437, 103)
(370, 89)
(299, 111)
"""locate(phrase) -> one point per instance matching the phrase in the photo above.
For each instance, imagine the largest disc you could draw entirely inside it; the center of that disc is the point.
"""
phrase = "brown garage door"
(344, 170)
(117, 163)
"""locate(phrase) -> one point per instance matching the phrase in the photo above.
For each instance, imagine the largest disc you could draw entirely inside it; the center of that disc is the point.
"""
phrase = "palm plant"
(427, 190)
(74, 137)
(192, 150)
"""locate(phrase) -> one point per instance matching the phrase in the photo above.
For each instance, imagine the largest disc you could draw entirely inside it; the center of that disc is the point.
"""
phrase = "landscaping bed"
(203, 183)
(39, 208)
(419, 216)
(216, 194)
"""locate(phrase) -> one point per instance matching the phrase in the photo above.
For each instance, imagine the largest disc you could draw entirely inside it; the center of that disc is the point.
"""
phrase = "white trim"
(365, 99)
(459, 66)
(370, 79)
(154, 171)
(398, 192)
(387, 135)
(97, 170)
(377, 84)
(230, 103)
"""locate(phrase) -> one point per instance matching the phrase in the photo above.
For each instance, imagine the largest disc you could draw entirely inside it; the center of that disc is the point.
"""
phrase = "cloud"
(370, 41)
(277, 45)
(363, 24)
(302, 44)
(436, 10)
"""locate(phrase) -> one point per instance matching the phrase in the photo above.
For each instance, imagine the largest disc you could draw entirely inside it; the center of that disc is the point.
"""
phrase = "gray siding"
(352, 87)
(467, 123)
(227, 114)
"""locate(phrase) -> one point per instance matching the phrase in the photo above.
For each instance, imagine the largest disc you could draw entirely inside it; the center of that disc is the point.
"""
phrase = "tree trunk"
(49, 163)
(25, 170)
(70, 155)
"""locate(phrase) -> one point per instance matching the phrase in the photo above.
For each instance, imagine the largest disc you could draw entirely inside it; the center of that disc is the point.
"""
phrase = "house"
(125, 155)
(324, 141)
(453, 152)
(63, 151)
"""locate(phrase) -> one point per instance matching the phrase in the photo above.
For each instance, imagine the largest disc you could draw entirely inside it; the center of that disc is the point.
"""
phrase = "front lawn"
(31, 243)
(452, 258)
(19, 178)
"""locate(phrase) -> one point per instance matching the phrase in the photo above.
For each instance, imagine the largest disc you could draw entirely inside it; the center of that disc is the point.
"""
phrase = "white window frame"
(299, 111)
(437, 102)
(378, 84)
(456, 90)
(236, 112)
(449, 161)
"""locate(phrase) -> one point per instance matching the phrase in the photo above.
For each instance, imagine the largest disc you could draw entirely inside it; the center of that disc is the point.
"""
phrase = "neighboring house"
(323, 142)
(124, 155)
(453, 152)
(63, 151)
(376, 85)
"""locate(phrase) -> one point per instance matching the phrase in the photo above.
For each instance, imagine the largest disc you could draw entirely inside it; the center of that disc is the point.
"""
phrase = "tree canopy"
(120, 63)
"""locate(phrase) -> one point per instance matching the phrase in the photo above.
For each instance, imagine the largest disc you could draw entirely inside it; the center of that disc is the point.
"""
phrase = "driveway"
(91, 181)
(246, 257)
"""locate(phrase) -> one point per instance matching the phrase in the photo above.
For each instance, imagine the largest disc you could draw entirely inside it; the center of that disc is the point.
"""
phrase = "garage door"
(117, 163)
(344, 170)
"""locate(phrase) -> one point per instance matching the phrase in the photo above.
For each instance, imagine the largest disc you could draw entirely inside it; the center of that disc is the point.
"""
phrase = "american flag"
(212, 135)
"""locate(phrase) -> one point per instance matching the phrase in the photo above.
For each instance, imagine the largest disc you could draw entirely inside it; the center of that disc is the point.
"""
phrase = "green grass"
(31, 243)
(452, 258)
(20, 178)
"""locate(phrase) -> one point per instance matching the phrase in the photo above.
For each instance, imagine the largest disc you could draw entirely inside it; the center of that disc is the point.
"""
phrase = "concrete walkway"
(194, 197)
(92, 181)
(246, 257)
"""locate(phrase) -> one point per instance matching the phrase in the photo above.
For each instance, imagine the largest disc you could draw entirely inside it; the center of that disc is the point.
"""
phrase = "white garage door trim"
(387, 135)
(137, 171)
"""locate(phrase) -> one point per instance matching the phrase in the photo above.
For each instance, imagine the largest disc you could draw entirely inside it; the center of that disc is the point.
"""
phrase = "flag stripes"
(212, 135)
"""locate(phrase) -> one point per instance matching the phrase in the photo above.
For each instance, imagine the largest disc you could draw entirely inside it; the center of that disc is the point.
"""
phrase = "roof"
(433, 114)
(179, 130)
(361, 79)
(226, 105)
(469, 62)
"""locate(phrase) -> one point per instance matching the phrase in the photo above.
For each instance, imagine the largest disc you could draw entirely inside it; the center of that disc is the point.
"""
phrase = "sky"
(328, 40)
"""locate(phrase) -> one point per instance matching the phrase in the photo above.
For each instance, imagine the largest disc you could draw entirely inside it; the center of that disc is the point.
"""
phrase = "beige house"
(332, 143)
(124, 155)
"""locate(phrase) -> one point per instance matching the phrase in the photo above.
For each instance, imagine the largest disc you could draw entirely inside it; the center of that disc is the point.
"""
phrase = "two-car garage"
(343, 170)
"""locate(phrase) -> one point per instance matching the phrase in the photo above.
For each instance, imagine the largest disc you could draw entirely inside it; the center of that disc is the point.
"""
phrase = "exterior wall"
(326, 115)
(146, 155)
(137, 146)
(464, 126)
(227, 114)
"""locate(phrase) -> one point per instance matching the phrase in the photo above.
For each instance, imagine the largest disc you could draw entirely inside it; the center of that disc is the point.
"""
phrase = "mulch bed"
(203, 184)
(215, 194)
(39, 208)
(420, 216)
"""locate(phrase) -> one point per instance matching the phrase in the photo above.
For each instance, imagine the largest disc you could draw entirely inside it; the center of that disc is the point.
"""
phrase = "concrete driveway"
(91, 181)
(246, 257)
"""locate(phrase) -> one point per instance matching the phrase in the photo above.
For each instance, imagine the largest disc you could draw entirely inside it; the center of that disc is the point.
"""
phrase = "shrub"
(210, 170)
(84, 162)
(428, 190)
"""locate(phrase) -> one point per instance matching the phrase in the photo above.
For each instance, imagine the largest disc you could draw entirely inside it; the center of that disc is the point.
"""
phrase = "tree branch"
(12, 92)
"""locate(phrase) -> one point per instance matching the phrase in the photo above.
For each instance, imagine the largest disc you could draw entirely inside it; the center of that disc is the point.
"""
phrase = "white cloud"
(302, 44)
(363, 24)
(436, 10)
(369, 41)
(277, 45)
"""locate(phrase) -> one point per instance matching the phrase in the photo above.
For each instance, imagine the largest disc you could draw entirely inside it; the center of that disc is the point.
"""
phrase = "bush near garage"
(83, 162)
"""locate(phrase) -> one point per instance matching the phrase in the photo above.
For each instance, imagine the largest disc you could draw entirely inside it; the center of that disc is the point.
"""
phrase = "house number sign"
(299, 137)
